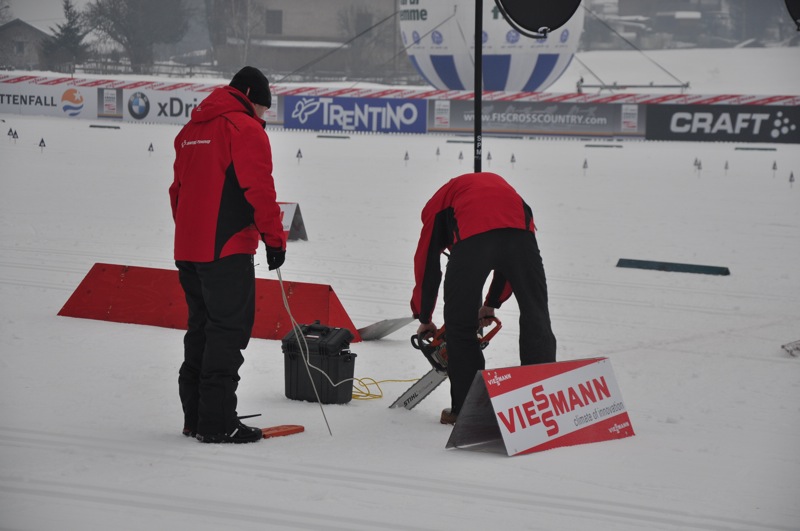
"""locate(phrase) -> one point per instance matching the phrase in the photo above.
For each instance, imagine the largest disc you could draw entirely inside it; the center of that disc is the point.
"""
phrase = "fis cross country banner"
(724, 123)
(539, 118)
(355, 114)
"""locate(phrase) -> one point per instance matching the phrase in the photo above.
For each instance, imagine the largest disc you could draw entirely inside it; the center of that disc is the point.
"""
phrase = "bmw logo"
(138, 105)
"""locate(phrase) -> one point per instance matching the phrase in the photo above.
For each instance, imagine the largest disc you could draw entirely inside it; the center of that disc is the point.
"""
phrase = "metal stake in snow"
(437, 153)
(42, 145)
(406, 158)
(460, 156)
(726, 168)
(489, 158)
(585, 166)
(478, 88)
(791, 179)
(513, 160)
(150, 149)
(15, 136)
(774, 168)
(299, 156)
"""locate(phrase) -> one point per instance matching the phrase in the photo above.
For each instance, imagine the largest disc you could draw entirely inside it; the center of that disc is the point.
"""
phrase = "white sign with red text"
(539, 407)
(292, 220)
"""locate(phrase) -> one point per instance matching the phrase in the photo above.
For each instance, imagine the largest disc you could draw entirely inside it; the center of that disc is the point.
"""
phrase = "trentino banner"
(369, 115)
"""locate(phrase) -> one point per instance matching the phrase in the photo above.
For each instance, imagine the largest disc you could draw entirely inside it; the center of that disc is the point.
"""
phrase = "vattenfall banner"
(114, 100)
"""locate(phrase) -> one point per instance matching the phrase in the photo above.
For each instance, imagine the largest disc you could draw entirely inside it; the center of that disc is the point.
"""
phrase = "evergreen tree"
(66, 46)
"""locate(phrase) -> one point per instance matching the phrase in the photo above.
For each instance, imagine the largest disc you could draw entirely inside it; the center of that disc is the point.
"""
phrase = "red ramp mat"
(149, 296)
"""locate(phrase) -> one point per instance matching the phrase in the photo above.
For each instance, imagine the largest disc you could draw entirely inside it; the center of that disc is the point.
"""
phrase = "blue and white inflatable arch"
(440, 35)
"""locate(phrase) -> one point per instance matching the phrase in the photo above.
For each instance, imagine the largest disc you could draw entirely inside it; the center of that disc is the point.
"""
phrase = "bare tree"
(137, 25)
(362, 54)
(6, 15)
(233, 23)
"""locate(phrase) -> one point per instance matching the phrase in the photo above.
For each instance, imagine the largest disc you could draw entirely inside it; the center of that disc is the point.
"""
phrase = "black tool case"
(328, 350)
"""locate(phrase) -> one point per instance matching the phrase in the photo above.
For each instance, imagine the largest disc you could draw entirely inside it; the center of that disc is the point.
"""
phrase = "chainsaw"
(434, 348)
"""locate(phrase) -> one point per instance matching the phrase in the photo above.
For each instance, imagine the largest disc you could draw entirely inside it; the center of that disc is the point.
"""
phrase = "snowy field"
(89, 413)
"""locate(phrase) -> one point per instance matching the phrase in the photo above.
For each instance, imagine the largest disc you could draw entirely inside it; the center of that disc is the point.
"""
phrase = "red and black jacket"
(467, 205)
(223, 194)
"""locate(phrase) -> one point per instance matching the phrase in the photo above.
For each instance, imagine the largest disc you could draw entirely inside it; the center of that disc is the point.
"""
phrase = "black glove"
(275, 257)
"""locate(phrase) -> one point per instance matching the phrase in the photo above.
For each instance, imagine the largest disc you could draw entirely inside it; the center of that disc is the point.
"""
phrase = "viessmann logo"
(737, 123)
(497, 379)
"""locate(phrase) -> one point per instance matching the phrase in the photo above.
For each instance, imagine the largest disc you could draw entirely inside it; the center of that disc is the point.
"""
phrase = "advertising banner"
(354, 114)
(539, 407)
(549, 118)
(691, 117)
(724, 123)
(102, 99)
(23, 96)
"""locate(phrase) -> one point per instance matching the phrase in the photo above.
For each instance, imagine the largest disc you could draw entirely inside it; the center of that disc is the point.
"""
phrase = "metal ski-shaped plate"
(383, 328)
(792, 348)
(421, 388)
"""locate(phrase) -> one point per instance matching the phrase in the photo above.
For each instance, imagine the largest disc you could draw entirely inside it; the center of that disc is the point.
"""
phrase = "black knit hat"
(254, 84)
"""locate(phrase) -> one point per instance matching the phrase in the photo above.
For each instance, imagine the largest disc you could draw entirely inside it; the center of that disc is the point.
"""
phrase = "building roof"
(17, 22)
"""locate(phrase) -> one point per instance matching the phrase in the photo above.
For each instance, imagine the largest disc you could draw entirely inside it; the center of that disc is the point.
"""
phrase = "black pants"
(221, 300)
(515, 254)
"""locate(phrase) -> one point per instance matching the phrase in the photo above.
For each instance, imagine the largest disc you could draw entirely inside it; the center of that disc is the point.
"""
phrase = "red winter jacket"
(467, 205)
(223, 194)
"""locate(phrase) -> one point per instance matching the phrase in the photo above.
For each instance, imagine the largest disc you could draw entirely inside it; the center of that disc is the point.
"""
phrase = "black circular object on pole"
(537, 18)
(794, 10)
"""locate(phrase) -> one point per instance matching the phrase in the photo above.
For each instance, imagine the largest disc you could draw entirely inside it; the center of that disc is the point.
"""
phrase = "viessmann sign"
(724, 123)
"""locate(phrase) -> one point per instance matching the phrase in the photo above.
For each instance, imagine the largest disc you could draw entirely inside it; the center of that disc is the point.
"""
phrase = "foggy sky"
(41, 13)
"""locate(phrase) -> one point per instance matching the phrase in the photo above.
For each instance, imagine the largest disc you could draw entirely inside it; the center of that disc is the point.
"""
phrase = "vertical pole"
(478, 82)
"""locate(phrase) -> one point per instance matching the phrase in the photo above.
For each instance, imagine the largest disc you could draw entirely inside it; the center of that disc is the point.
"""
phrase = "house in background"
(20, 45)
(323, 38)
(661, 24)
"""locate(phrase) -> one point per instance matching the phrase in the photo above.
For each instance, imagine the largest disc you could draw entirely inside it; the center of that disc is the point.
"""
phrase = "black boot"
(240, 434)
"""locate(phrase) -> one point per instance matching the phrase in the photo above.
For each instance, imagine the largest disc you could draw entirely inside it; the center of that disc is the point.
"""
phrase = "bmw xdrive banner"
(371, 115)
(777, 124)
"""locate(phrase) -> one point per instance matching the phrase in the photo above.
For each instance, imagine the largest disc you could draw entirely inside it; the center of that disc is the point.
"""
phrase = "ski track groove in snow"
(420, 487)
(155, 503)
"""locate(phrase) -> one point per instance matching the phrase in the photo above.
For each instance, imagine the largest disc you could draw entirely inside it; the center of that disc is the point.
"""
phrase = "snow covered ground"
(89, 414)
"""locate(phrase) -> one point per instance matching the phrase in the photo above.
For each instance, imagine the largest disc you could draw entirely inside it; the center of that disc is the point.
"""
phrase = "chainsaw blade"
(420, 389)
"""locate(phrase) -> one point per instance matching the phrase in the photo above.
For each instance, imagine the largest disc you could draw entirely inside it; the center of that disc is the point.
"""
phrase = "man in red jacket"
(223, 202)
(487, 227)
